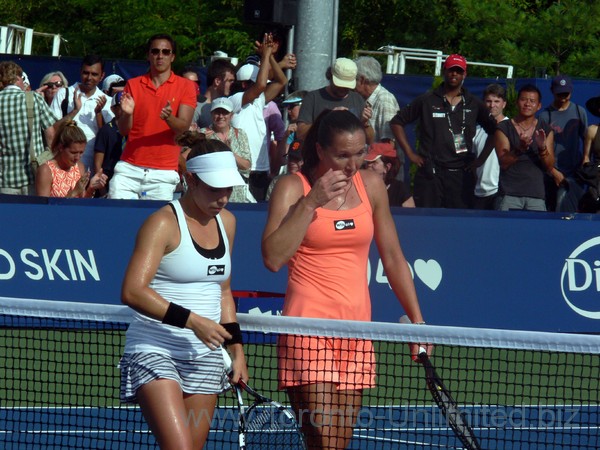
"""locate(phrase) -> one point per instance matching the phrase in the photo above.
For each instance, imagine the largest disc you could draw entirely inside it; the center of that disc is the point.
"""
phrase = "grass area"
(41, 367)
(489, 376)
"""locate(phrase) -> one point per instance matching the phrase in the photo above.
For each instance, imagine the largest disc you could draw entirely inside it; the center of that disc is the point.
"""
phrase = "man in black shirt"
(448, 117)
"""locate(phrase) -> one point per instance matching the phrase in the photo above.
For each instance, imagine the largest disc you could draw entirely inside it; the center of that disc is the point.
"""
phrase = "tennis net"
(59, 382)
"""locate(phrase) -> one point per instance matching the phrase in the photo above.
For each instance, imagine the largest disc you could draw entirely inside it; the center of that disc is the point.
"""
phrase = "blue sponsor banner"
(517, 270)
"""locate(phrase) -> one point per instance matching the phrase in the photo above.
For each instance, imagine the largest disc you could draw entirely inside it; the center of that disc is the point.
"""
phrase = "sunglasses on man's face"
(164, 51)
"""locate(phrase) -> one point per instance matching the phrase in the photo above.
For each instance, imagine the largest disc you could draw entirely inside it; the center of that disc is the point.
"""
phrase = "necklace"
(345, 196)
(525, 130)
(223, 136)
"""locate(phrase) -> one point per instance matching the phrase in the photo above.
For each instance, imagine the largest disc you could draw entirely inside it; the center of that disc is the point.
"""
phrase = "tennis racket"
(266, 424)
(455, 418)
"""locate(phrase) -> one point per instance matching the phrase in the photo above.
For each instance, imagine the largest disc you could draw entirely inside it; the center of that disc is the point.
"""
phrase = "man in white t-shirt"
(486, 187)
(86, 104)
(248, 108)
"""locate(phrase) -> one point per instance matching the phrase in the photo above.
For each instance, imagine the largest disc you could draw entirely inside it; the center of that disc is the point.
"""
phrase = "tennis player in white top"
(178, 283)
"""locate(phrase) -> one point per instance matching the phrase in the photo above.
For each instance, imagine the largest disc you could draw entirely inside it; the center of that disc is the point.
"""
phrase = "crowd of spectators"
(467, 154)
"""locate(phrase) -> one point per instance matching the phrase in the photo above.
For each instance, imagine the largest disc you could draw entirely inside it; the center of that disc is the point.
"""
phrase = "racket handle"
(242, 384)
(227, 361)
(406, 320)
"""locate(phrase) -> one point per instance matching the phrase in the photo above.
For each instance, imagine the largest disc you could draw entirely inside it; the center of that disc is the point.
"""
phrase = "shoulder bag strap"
(29, 105)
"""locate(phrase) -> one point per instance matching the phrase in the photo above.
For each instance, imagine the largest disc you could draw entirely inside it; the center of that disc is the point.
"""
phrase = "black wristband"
(176, 315)
(233, 328)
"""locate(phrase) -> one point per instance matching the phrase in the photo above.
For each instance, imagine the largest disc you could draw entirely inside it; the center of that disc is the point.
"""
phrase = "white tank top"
(190, 279)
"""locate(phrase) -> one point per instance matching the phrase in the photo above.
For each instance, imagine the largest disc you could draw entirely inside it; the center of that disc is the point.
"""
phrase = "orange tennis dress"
(327, 278)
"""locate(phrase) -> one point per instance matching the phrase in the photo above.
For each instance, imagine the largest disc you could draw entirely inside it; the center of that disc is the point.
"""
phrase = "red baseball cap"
(378, 149)
(455, 60)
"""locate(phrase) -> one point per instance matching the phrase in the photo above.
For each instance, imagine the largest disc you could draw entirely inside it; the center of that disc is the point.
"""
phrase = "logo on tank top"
(345, 224)
(216, 270)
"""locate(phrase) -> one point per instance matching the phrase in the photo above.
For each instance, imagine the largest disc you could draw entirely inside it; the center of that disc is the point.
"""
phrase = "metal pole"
(314, 42)
(288, 72)
(290, 49)
(334, 31)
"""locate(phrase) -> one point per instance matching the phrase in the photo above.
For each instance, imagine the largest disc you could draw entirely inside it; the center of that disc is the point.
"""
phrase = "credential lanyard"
(462, 131)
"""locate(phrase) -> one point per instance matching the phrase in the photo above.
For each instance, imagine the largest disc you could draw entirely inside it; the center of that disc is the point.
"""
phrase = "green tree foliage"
(121, 29)
(535, 36)
(370, 24)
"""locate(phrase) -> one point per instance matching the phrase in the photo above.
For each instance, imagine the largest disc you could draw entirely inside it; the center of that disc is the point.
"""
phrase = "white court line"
(414, 406)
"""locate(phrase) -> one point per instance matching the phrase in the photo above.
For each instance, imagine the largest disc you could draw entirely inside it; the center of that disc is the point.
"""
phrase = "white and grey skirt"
(204, 375)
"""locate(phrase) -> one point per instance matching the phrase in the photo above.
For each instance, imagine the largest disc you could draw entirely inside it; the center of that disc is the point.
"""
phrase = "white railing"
(397, 58)
(16, 39)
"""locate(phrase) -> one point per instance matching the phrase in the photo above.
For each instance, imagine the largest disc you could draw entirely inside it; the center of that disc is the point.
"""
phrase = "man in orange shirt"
(156, 107)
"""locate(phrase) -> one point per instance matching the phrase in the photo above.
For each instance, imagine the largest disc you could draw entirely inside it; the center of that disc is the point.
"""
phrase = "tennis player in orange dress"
(321, 223)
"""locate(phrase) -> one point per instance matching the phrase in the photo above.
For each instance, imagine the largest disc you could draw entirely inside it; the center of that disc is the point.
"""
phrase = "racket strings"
(270, 417)
(268, 424)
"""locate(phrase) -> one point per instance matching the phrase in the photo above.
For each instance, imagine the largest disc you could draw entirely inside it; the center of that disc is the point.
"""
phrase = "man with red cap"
(448, 118)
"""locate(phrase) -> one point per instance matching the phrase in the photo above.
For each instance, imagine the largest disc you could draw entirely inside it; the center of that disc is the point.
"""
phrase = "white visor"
(217, 169)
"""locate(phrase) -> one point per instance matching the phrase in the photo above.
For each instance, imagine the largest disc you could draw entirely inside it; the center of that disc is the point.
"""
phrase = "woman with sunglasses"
(236, 139)
(382, 159)
(51, 83)
(292, 103)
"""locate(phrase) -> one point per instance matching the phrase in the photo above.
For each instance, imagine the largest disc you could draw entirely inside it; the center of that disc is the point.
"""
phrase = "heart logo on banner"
(429, 272)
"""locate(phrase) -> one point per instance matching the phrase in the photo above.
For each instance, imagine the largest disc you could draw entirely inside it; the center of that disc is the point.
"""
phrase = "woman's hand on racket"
(239, 368)
(417, 349)
(208, 331)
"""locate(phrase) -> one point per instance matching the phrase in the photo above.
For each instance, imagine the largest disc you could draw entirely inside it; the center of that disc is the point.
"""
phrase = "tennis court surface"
(59, 382)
